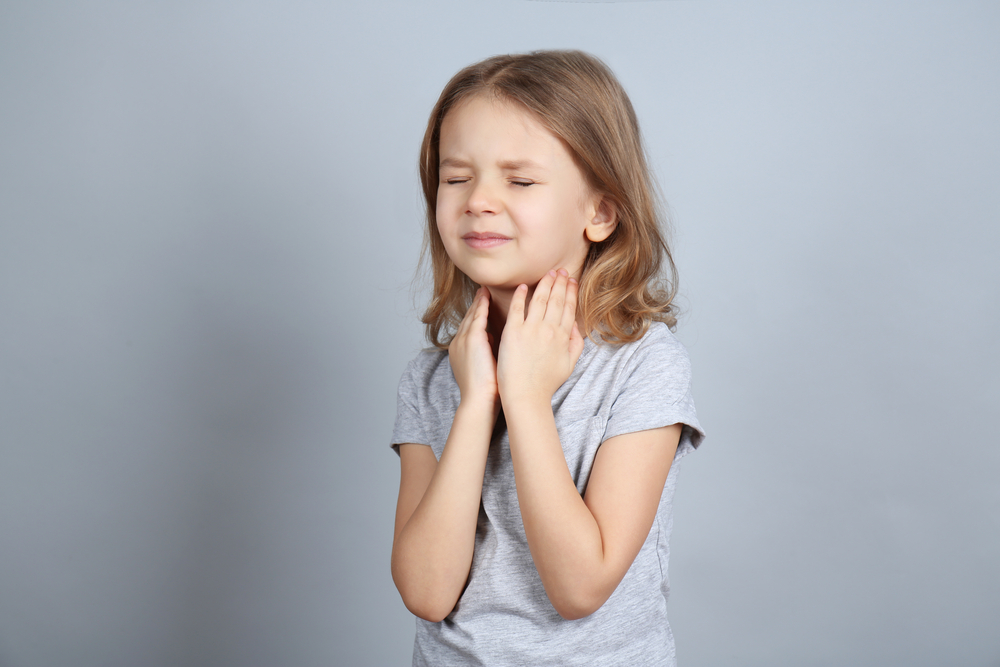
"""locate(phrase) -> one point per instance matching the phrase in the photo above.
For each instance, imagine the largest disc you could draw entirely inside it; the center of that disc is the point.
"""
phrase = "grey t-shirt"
(504, 616)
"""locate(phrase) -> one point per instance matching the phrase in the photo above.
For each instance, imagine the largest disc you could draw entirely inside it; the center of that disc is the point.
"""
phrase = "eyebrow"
(514, 165)
(453, 162)
(506, 165)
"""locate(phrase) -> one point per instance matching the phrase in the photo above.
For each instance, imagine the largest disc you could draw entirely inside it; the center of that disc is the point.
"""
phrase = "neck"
(500, 299)
(499, 307)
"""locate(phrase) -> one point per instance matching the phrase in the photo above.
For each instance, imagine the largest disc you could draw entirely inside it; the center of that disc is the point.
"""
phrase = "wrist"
(479, 404)
(525, 401)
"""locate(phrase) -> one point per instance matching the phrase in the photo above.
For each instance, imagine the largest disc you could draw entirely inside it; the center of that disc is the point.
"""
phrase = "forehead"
(486, 126)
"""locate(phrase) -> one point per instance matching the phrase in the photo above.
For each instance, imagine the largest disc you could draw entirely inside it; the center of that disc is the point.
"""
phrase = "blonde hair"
(579, 100)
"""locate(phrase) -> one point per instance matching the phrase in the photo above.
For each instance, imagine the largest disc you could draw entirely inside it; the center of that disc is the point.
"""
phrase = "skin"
(517, 216)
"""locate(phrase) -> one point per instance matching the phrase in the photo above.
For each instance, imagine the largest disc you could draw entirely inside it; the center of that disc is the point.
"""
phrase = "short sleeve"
(409, 428)
(654, 390)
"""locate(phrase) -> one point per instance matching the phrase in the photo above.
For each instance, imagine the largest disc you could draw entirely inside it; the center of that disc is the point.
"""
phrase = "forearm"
(432, 552)
(563, 534)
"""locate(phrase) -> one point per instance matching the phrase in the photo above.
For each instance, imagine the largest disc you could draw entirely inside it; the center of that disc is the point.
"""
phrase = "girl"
(536, 441)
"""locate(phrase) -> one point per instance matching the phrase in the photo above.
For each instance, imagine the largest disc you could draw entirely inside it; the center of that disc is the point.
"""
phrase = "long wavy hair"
(629, 279)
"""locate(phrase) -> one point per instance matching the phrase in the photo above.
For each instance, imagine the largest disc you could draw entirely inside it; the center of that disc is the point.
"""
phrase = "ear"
(603, 222)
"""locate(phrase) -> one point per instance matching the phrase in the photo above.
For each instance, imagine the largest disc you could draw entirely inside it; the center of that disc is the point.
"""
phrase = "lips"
(482, 240)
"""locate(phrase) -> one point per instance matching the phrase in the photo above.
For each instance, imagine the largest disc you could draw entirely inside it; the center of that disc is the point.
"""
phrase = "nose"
(483, 199)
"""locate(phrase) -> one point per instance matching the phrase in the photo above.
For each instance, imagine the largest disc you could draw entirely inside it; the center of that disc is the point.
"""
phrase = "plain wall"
(209, 223)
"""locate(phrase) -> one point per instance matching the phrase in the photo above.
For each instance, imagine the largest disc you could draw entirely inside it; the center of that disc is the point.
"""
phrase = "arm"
(582, 546)
(438, 505)
(436, 517)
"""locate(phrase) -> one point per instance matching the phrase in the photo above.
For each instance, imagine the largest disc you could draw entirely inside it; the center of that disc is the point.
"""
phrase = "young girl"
(536, 441)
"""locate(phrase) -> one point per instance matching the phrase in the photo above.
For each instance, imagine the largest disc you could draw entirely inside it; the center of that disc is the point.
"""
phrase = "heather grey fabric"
(504, 616)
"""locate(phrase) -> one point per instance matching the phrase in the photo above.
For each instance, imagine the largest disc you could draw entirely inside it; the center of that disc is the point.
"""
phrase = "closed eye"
(523, 184)
(456, 181)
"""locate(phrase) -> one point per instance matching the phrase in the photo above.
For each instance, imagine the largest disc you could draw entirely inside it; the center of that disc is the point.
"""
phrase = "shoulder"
(428, 380)
(425, 366)
(660, 345)
(653, 386)
(427, 394)
(658, 352)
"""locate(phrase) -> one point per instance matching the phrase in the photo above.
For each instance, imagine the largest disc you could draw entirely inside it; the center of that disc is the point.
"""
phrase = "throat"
(495, 323)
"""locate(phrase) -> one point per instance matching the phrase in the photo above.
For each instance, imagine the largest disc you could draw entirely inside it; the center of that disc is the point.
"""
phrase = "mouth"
(480, 240)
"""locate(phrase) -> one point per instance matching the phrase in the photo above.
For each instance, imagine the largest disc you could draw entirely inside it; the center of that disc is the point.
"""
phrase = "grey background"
(209, 223)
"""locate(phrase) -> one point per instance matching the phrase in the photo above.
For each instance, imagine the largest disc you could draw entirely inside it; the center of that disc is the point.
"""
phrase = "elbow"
(427, 607)
(421, 600)
(428, 612)
(576, 612)
(578, 604)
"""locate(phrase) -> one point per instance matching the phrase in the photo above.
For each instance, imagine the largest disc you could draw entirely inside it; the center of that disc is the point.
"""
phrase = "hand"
(538, 351)
(471, 355)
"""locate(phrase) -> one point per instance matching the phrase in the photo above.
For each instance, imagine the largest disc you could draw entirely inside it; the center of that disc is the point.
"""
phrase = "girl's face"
(512, 204)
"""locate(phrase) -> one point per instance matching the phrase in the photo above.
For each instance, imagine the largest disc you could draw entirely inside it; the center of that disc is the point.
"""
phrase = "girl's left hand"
(538, 351)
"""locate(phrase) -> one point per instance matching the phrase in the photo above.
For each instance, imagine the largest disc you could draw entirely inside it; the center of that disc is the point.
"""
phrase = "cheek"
(439, 209)
(449, 207)
(446, 236)
(446, 229)
(441, 215)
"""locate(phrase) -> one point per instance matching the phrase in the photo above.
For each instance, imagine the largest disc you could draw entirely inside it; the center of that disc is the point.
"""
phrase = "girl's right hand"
(471, 355)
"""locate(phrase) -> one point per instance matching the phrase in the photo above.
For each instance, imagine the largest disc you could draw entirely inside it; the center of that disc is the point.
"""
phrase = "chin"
(496, 281)
(503, 280)
(511, 285)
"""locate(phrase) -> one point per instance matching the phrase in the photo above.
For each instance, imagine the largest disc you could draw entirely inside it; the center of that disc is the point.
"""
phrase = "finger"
(569, 309)
(557, 298)
(463, 326)
(516, 311)
(575, 344)
(541, 297)
(482, 310)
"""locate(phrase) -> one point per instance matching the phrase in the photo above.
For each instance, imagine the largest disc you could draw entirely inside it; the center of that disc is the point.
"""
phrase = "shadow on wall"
(253, 384)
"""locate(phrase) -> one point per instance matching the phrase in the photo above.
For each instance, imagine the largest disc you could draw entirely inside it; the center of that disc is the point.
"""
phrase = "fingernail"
(573, 280)
(564, 272)
(552, 273)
